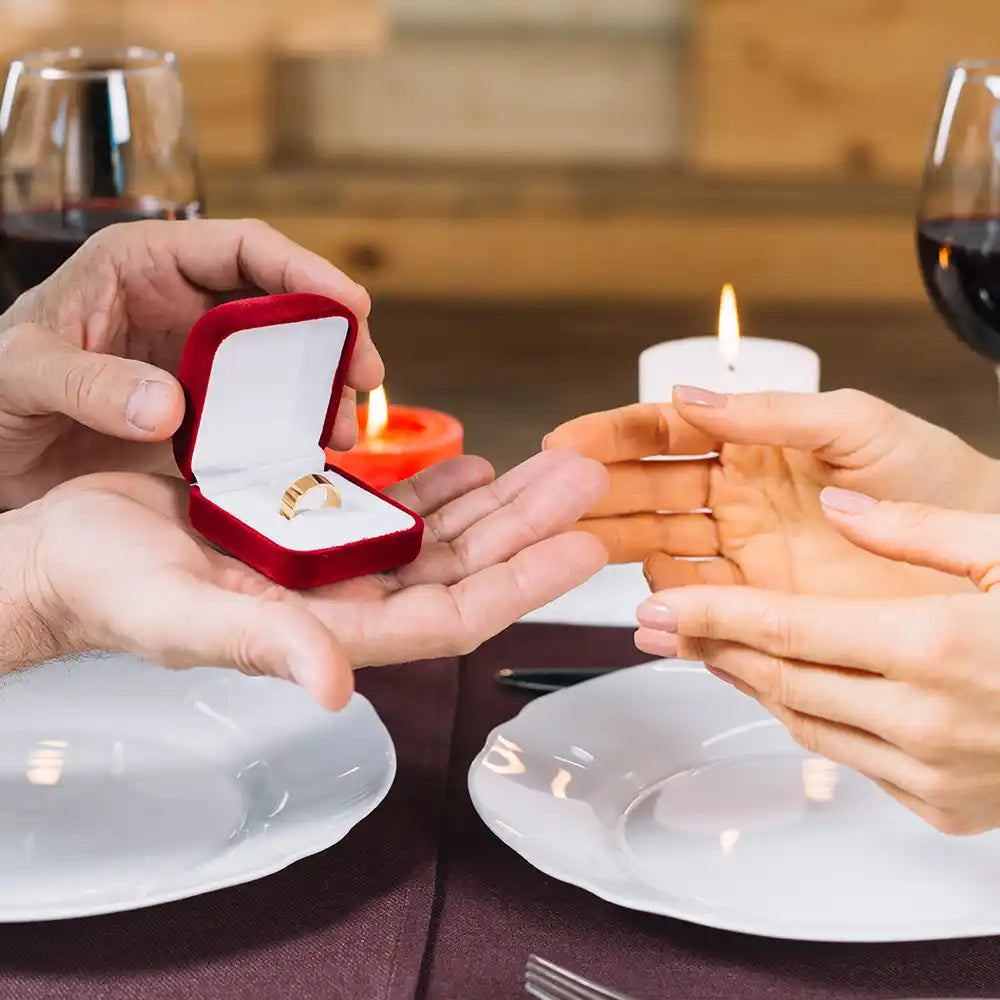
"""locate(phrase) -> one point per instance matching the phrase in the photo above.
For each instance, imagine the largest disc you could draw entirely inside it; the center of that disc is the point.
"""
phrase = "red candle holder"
(412, 439)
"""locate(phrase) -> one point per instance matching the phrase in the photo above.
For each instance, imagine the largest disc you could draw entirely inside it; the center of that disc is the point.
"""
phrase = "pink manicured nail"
(846, 501)
(656, 643)
(657, 616)
(545, 441)
(693, 396)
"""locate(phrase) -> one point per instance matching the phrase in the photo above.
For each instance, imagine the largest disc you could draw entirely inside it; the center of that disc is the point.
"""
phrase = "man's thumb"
(41, 373)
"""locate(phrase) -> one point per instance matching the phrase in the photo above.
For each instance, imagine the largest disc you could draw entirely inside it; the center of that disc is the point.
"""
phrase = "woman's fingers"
(631, 433)
(860, 700)
(664, 571)
(890, 637)
(631, 538)
(549, 504)
(953, 541)
(641, 487)
(858, 750)
(837, 426)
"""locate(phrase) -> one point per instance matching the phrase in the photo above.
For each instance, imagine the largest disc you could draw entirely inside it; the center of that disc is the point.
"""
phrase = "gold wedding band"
(302, 486)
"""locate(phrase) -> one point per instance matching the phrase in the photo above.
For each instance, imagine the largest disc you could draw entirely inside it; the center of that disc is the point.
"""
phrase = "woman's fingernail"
(846, 501)
(652, 614)
(148, 405)
(693, 396)
(656, 643)
(545, 441)
(721, 674)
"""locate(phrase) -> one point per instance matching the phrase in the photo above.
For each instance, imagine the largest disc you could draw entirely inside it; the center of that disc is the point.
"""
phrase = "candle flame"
(729, 327)
(378, 413)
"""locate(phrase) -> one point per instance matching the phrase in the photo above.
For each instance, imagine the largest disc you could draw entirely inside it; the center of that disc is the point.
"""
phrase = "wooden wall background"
(537, 149)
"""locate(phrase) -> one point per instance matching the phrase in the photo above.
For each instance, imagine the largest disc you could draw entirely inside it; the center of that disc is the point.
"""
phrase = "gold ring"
(301, 486)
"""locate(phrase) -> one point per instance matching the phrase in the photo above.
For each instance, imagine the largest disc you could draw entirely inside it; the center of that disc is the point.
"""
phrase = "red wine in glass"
(958, 218)
(960, 264)
(88, 138)
(36, 242)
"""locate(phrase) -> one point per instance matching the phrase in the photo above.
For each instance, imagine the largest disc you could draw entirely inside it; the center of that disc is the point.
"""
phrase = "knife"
(546, 679)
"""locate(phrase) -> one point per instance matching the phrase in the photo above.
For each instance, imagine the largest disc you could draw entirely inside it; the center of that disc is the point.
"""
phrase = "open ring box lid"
(263, 379)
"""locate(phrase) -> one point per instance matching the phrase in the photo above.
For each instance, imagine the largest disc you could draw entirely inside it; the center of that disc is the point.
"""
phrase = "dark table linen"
(349, 923)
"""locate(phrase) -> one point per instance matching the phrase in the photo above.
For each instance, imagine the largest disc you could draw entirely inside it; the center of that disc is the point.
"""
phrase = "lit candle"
(396, 442)
(727, 362)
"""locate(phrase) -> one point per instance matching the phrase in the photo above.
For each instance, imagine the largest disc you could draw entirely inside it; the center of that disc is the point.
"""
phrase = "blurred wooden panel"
(482, 95)
(602, 14)
(827, 86)
(807, 258)
(229, 98)
(241, 26)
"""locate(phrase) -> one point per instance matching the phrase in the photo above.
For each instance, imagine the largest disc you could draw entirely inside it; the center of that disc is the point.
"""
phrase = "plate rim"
(774, 930)
(276, 860)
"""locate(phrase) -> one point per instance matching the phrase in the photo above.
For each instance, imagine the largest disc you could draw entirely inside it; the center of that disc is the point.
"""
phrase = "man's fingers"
(227, 254)
(633, 538)
(644, 487)
(423, 622)
(949, 540)
(631, 433)
(345, 429)
(255, 634)
(550, 504)
(452, 519)
(438, 485)
(40, 373)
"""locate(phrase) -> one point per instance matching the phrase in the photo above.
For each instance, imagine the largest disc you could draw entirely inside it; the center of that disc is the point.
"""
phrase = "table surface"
(421, 901)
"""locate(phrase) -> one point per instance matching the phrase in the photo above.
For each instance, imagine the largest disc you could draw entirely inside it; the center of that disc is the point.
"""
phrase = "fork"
(547, 981)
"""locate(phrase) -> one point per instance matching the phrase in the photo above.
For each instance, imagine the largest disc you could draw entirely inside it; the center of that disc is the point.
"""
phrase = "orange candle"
(396, 442)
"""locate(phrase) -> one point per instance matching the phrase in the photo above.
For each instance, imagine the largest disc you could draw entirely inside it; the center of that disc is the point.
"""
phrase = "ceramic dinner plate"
(661, 789)
(123, 784)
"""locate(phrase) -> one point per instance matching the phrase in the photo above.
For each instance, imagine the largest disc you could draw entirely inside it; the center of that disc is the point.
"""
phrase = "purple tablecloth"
(420, 901)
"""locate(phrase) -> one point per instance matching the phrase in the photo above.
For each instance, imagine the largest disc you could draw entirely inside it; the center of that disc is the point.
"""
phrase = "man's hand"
(110, 562)
(87, 358)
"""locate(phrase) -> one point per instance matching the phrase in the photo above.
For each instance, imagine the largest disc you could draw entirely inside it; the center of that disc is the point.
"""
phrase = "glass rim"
(129, 60)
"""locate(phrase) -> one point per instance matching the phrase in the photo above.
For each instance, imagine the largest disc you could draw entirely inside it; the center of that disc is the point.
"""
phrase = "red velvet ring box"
(263, 379)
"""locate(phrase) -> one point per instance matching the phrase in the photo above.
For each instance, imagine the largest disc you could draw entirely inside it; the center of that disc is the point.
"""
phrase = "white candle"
(727, 362)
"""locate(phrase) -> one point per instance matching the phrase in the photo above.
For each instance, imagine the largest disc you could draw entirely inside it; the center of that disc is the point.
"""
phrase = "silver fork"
(546, 981)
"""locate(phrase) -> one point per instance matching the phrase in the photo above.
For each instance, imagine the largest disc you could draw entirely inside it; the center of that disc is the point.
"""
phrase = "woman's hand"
(775, 452)
(906, 691)
(87, 357)
(110, 562)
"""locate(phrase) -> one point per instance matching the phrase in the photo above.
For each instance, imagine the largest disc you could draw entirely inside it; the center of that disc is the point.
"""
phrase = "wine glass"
(958, 218)
(88, 138)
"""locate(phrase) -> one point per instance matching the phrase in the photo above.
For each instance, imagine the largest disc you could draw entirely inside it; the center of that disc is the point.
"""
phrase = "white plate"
(123, 785)
(660, 788)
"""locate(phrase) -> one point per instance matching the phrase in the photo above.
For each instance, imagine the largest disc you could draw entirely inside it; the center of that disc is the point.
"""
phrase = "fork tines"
(546, 981)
